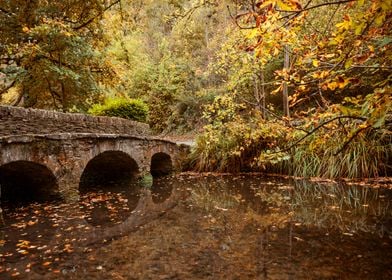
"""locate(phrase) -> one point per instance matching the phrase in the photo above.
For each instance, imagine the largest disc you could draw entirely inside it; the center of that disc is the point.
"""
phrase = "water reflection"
(345, 207)
(106, 206)
(161, 189)
(44, 234)
(303, 230)
(349, 209)
(25, 182)
(221, 227)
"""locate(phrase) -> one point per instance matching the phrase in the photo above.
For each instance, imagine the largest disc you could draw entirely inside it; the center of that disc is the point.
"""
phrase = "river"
(195, 226)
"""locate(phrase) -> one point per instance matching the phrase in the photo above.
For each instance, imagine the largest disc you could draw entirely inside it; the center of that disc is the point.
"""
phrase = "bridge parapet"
(17, 121)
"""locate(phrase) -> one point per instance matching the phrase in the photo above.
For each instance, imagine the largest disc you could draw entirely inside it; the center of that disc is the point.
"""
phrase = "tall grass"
(368, 155)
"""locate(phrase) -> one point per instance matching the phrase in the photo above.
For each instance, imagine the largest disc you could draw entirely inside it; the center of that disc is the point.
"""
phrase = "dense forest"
(300, 87)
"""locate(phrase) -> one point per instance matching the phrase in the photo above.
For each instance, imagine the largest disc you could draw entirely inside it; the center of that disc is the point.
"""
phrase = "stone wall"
(17, 121)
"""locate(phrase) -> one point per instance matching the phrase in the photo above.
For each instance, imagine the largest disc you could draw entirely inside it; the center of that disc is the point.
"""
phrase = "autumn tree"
(335, 45)
(49, 49)
(338, 78)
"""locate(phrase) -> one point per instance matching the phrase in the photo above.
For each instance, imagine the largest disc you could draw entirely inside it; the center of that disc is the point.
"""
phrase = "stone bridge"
(52, 153)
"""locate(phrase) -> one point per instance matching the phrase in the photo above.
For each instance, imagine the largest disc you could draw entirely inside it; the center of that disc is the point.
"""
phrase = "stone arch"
(109, 168)
(161, 164)
(26, 181)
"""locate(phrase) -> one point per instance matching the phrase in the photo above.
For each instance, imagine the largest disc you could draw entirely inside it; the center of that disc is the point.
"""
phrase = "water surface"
(204, 227)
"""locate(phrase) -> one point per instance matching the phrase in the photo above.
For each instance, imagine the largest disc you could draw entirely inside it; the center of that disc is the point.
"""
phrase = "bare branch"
(19, 99)
(298, 12)
(96, 16)
(235, 20)
(7, 87)
(317, 128)
(5, 11)
(351, 139)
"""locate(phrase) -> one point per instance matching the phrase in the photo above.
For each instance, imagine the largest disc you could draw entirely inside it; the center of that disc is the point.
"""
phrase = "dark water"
(228, 227)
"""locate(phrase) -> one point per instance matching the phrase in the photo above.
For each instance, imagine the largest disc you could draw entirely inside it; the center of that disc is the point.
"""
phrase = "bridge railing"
(16, 121)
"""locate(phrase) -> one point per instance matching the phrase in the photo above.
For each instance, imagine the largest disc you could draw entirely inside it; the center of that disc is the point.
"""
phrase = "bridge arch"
(161, 164)
(107, 169)
(26, 181)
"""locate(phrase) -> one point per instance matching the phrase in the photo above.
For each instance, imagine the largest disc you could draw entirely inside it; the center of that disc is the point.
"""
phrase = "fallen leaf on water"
(23, 252)
(219, 208)
(30, 223)
(68, 248)
(23, 244)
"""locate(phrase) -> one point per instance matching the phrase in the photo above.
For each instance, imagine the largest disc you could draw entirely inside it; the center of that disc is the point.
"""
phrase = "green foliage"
(186, 114)
(231, 142)
(57, 68)
(53, 52)
(162, 59)
(234, 146)
(132, 109)
(175, 80)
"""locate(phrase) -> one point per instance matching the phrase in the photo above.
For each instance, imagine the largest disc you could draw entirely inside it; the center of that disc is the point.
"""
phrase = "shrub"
(232, 142)
(132, 109)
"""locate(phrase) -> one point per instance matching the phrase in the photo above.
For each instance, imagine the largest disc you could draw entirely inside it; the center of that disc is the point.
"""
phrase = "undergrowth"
(327, 144)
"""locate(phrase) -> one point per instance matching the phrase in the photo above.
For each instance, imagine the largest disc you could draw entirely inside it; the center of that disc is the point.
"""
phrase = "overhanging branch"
(5, 11)
(96, 16)
(317, 128)
(297, 12)
(7, 87)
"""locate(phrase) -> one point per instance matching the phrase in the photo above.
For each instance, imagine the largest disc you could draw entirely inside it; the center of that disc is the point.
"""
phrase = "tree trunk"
(285, 86)
(263, 94)
(257, 94)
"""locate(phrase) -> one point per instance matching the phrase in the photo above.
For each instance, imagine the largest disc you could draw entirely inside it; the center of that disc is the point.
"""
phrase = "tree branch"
(317, 128)
(7, 88)
(236, 22)
(5, 11)
(18, 100)
(97, 15)
(350, 139)
(298, 12)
